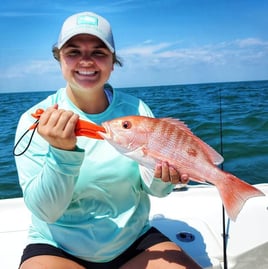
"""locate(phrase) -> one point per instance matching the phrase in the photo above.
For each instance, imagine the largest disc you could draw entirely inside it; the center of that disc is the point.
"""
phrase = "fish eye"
(126, 124)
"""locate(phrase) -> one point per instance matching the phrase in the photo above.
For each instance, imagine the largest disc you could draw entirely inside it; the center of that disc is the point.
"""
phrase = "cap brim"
(83, 31)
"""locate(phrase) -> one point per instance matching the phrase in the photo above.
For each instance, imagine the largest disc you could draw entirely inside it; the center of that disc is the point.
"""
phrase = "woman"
(89, 204)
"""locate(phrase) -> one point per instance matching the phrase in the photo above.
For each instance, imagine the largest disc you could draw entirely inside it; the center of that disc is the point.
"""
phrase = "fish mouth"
(112, 138)
(108, 134)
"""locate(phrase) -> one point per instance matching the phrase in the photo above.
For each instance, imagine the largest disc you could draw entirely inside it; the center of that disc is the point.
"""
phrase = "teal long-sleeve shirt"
(91, 202)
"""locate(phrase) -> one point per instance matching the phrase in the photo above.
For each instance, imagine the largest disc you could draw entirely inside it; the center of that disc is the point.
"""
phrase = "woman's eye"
(98, 53)
(73, 53)
(78, 53)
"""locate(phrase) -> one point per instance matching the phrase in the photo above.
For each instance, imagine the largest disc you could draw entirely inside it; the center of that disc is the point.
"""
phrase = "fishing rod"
(224, 234)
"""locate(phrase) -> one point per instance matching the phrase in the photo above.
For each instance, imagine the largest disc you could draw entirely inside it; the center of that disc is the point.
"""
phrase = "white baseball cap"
(86, 23)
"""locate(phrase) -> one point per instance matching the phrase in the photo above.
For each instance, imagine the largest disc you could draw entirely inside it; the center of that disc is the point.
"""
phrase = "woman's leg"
(49, 262)
(165, 255)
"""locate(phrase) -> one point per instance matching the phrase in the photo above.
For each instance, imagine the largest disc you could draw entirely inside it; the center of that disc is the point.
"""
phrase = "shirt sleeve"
(47, 175)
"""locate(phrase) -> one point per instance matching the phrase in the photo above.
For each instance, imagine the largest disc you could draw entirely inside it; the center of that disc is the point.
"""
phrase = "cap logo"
(86, 19)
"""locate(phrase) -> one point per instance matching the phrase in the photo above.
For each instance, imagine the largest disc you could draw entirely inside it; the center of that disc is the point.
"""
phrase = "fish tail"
(234, 193)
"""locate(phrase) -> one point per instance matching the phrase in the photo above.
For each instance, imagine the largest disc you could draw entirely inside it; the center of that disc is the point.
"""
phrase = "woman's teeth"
(86, 73)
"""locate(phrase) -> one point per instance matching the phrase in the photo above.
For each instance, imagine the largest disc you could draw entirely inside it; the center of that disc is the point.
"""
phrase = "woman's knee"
(165, 255)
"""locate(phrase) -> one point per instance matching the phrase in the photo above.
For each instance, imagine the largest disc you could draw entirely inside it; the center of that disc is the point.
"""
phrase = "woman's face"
(86, 62)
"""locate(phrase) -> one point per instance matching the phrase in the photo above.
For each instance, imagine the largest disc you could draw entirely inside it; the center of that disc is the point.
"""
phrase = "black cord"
(29, 143)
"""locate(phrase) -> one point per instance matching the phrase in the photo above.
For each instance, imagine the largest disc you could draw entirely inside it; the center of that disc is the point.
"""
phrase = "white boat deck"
(191, 218)
(198, 211)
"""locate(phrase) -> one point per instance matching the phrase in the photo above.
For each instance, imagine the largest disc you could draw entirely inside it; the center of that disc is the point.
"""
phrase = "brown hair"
(56, 55)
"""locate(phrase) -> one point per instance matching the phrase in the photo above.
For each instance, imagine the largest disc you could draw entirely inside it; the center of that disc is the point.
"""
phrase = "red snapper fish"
(152, 140)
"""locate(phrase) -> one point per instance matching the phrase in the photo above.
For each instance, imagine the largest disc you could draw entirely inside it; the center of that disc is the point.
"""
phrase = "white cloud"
(216, 54)
(249, 42)
(147, 48)
(34, 75)
(32, 68)
(165, 63)
(41, 67)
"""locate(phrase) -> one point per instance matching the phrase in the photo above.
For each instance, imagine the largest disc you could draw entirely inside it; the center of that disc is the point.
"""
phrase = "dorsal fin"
(178, 123)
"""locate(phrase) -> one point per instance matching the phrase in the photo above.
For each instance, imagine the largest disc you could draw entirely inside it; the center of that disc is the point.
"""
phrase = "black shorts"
(150, 238)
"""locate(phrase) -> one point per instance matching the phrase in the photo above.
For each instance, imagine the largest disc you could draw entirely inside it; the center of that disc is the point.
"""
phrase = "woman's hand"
(57, 127)
(168, 173)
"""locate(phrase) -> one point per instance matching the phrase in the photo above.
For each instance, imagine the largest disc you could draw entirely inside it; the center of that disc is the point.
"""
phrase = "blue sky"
(161, 42)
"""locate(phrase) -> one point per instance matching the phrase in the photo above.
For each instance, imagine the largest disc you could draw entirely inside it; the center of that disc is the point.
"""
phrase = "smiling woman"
(86, 65)
(83, 187)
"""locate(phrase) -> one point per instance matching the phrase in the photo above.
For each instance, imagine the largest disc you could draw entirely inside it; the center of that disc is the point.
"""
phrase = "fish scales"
(158, 140)
(179, 149)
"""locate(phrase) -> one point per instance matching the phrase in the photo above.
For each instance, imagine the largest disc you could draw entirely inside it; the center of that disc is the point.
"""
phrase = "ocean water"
(231, 117)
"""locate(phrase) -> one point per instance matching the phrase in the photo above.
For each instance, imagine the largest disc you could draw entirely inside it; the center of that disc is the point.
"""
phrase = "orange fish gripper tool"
(82, 128)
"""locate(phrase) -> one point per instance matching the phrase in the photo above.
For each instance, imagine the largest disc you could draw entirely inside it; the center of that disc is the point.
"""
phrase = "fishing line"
(224, 235)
